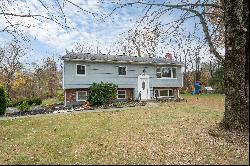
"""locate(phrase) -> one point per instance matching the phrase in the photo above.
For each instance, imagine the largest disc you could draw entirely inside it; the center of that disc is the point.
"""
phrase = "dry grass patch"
(174, 133)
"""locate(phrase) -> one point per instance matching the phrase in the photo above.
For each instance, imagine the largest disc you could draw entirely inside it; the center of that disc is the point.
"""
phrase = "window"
(156, 93)
(80, 70)
(122, 70)
(174, 72)
(121, 94)
(81, 95)
(164, 93)
(170, 92)
(143, 85)
(166, 72)
(158, 72)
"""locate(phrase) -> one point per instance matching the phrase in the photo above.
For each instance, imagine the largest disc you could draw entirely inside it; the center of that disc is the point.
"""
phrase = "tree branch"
(183, 7)
(65, 20)
(178, 6)
(83, 10)
(208, 37)
(19, 15)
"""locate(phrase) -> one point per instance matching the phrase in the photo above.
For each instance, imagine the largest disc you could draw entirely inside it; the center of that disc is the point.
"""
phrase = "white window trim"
(125, 69)
(65, 97)
(122, 94)
(158, 72)
(172, 92)
(171, 73)
(63, 75)
(162, 90)
(77, 95)
(80, 74)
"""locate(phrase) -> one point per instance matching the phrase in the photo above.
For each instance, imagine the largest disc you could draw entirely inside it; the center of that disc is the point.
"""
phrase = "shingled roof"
(71, 56)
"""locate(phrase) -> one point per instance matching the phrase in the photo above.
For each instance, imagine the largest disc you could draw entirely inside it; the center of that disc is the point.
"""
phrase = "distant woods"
(42, 81)
(207, 73)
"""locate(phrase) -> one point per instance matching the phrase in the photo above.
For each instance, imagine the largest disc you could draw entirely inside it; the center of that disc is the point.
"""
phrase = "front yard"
(173, 133)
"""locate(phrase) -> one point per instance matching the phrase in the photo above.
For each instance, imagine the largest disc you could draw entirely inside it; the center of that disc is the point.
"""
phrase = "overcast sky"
(48, 39)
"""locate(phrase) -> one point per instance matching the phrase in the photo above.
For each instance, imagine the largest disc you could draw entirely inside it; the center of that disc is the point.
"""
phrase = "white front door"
(143, 87)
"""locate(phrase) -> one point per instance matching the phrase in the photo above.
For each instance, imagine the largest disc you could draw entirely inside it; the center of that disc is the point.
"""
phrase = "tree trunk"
(236, 116)
(9, 86)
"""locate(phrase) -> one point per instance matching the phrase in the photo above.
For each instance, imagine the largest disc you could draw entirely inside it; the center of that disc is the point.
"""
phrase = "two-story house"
(147, 76)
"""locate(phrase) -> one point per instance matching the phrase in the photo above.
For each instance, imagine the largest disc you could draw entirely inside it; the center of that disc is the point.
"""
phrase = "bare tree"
(232, 15)
(236, 64)
(145, 41)
(190, 10)
(11, 55)
(85, 47)
(13, 15)
(140, 41)
(235, 19)
(46, 78)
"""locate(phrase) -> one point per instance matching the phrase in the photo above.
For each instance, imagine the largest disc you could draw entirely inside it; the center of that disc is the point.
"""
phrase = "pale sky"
(48, 39)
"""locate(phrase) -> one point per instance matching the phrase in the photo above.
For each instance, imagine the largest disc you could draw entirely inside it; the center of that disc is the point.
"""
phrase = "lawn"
(173, 133)
(51, 101)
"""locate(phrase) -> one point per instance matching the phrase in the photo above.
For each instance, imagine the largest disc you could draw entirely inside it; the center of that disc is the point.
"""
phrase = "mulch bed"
(30, 112)
(61, 107)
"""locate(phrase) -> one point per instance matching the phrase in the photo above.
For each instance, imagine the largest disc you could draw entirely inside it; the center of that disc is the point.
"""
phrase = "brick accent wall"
(71, 94)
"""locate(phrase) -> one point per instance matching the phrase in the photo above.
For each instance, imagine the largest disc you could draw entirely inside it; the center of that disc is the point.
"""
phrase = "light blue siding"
(108, 72)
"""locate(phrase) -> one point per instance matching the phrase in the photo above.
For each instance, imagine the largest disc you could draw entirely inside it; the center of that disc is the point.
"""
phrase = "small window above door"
(122, 70)
(80, 70)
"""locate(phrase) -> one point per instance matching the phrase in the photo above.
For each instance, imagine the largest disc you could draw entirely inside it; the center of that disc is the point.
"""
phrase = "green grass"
(51, 101)
(174, 133)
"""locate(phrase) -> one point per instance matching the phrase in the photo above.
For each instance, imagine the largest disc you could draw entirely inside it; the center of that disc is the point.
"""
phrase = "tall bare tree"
(47, 78)
(10, 63)
(85, 47)
(15, 13)
(143, 42)
(236, 64)
(235, 19)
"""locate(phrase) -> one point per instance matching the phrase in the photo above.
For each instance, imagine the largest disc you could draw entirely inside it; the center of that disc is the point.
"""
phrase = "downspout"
(63, 85)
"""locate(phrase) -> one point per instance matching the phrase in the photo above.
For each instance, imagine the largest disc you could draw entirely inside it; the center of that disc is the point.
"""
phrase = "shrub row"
(29, 102)
(3, 101)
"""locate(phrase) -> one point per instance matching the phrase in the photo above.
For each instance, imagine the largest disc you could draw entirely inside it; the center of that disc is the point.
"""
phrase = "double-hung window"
(164, 93)
(158, 72)
(122, 70)
(81, 70)
(166, 72)
(81, 95)
(121, 94)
